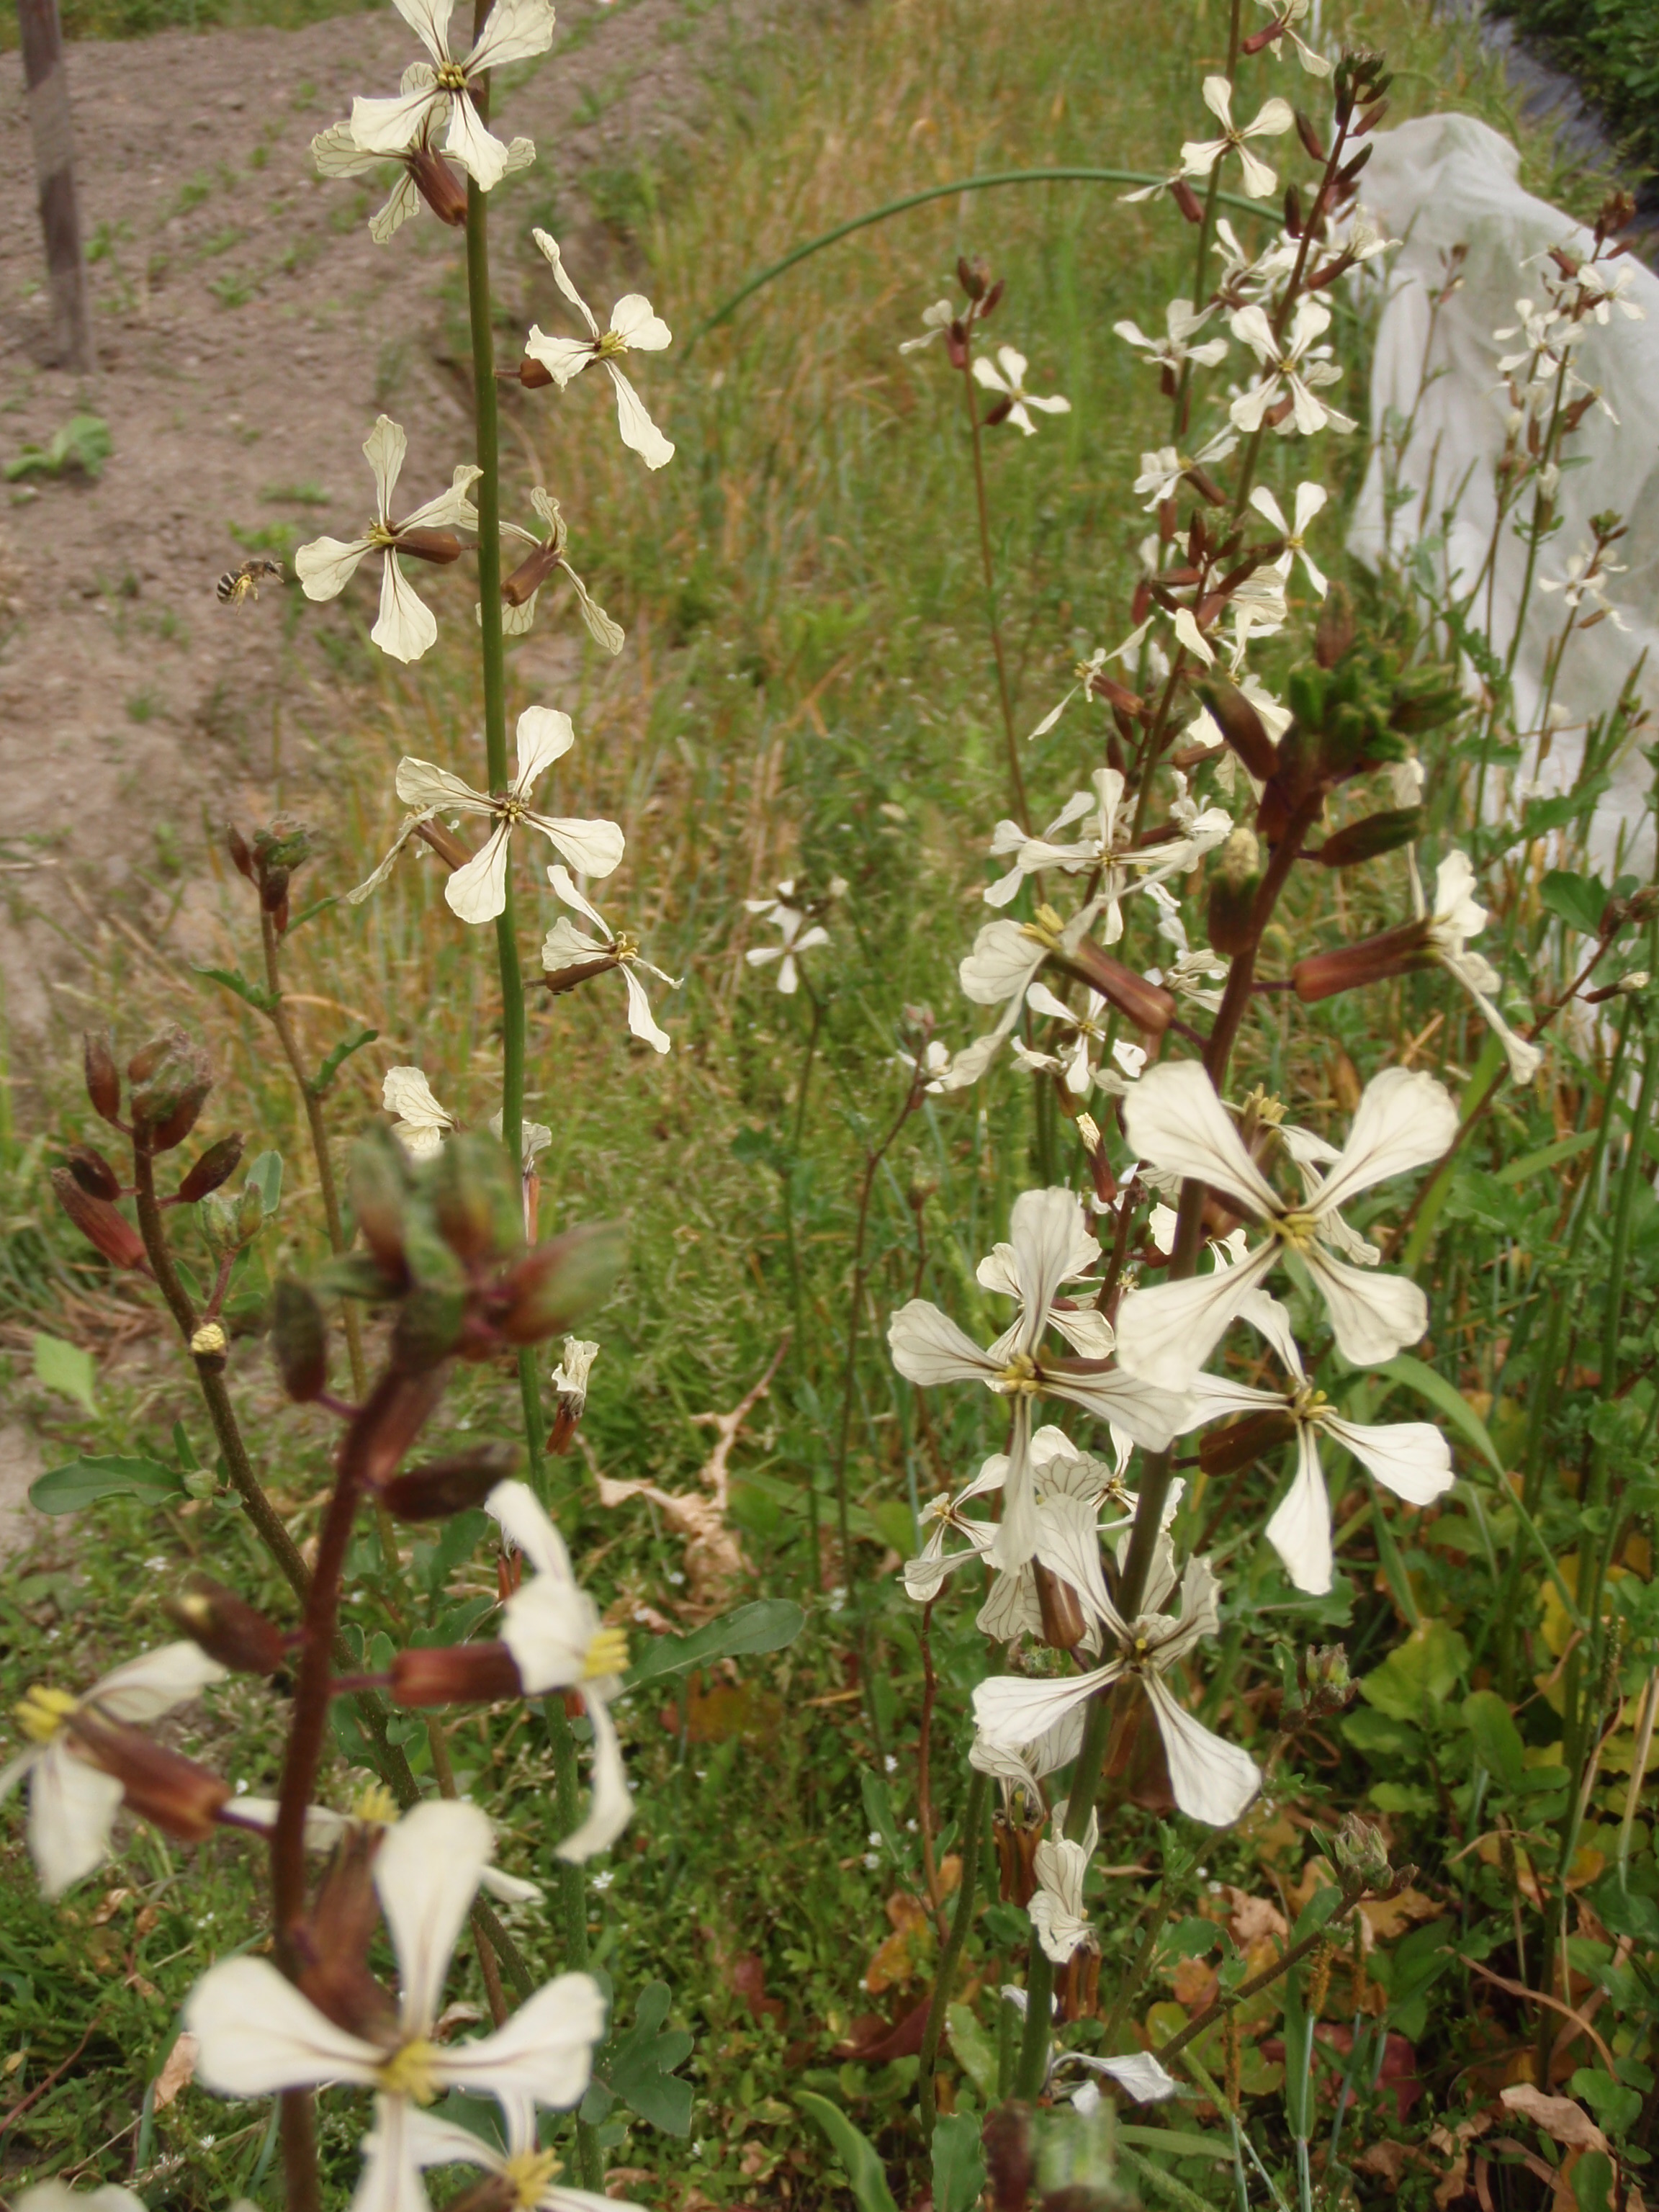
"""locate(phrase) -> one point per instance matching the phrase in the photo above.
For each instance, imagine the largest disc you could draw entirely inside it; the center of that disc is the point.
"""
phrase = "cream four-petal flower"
(634, 328)
(441, 92)
(1006, 378)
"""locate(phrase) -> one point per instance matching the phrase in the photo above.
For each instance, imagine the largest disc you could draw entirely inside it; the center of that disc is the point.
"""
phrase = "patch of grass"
(235, 288)
(142, 706)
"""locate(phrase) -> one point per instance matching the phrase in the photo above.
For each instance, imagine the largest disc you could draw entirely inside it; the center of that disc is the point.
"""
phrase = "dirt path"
(249, 330)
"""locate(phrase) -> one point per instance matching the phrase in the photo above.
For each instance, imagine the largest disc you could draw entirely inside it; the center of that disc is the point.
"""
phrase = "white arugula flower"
(1162, 472)
(72, 1801)
(405, 627)
(529, 2172)
(1273, 118)
(519, 590)
(477, 891)
(1086, 677)
(634, 328)
(558, 1642)
(1455, 916)
(1057, 1914)
(1049, 1245)
(1175, 1120)
(258, 2034)
(337, 153)
(566, 947)
(1212, 1780)
(1008, 380)
(935, 321)
(1298, 367)
(441, 92)
(798, 938)
(1410, 1458)
(1172, 352)
(1310, 499)
(421, 1124)
(374, 1808)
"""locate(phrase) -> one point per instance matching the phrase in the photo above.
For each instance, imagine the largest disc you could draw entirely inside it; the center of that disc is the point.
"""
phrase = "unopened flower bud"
(103, 1083)
(1017, 1842)
(170, 1079)
(1064, 1622)
(445, 1487)
(440, 547)
(94, 1172)
(226, 1627)
(104, 1229)
(379, 1192)
(209, 1344)
(1233, 889)
(398, 1408)
(1187, 200)
(555, 1285)
(299, 1337)
(331, 1941)
(1361, 1850)
(215, 1166)
(183, 1800)
(476, 1198)
(973, 276)
(1077, 1983)
(1371, 836)
(455, 1674)
(1335, 634)
(238, 848)
(1325, 1673)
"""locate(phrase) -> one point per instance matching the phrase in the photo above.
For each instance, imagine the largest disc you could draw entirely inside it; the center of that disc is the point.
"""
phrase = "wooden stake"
(54, 172)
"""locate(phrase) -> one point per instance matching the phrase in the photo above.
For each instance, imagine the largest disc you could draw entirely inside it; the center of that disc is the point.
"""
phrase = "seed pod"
(215, 1166)
(94, 1173)
(226, 1627)
(299, 1337)
(104, 1229)
(455, 1674)
(445, 1487)
(103, 1083)
(551, 1287)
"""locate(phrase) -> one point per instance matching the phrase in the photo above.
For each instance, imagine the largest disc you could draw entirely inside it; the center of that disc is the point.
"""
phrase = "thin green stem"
(973, 1821)
(982, 503)
(573, 1898)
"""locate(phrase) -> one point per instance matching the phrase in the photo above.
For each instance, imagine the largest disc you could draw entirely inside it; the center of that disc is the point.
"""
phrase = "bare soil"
(248, 331)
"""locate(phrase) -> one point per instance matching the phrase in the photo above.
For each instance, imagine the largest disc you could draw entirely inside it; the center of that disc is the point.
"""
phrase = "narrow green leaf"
(1417, 1374)
(337, 1060)
(233, 979)
(865, 2171)
(958, 2163)
(766, 1625)
(1178, 2142)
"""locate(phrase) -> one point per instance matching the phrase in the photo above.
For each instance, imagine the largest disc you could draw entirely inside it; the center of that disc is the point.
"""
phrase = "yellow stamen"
(625, 946)
(1309, 1404)
(41, 1712)
(375, 1806)
(1019, 1378)
(531, 2174)
(1296, 1229)
(1045, 926)
(410, 2071)
(606, 1654)
(611, 344)
(449, 76)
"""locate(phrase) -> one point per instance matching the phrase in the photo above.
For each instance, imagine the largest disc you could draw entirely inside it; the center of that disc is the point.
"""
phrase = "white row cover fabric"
(1448, 181)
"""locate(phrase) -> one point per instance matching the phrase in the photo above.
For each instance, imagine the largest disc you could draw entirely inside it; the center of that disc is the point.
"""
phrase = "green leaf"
(1418, 1674)
(766, 1625)
(337, 1059)
(958, 2163)
(81, 1482)
(1579, 901)
(461, 1534)
(855, 2151)
(1519, 1172)
(1592, 2180)
(975, 2051)
(1496, 1739)
(1178, 2142)
(264, 1175)
(640, 2069)
(66, 1368)
(258, 997)
(878, 1810)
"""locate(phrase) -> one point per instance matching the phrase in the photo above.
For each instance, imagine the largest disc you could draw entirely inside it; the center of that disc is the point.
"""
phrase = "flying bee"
(239, 584)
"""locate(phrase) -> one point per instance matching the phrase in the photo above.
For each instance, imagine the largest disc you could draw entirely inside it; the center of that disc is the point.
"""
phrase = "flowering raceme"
(440, 93)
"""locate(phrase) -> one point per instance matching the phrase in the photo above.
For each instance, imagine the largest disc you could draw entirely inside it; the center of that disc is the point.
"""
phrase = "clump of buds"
(168, 1080)
(269, 863)
(1362, 1851)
